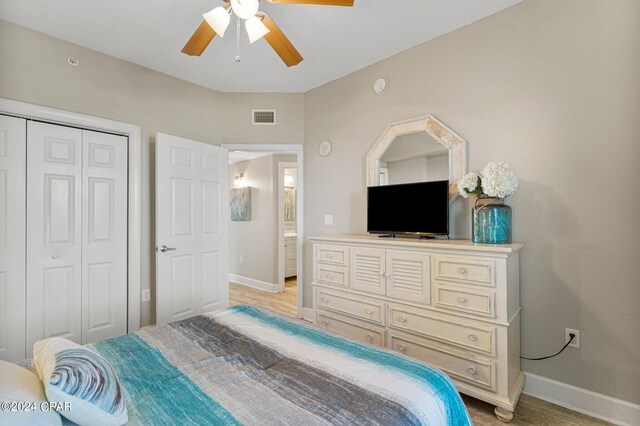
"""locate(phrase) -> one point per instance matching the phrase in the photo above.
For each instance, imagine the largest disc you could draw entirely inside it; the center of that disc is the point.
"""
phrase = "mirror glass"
(290, 183)
(415, 157)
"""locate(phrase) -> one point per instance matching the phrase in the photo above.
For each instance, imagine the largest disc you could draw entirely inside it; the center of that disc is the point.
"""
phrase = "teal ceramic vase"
(491, 221)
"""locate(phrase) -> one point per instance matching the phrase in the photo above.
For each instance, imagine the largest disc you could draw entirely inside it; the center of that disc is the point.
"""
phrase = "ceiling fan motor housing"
(245, 9)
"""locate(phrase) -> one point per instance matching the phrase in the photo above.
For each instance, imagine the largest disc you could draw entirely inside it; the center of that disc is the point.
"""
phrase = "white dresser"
(451, 304)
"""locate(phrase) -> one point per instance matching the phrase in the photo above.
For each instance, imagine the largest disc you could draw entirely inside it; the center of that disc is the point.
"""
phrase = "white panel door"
(191, 228)
(104, 236)
(54, 232)
(13, 163)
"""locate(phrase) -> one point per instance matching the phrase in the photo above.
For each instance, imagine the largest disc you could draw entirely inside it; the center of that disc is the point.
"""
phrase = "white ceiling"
(334, 41)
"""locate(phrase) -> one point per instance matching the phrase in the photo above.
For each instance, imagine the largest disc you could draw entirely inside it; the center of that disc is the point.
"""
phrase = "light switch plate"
(328, 219)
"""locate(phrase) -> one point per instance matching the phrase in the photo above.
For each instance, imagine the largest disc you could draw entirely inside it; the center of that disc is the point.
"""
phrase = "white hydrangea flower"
(498, 180)
(468, 184)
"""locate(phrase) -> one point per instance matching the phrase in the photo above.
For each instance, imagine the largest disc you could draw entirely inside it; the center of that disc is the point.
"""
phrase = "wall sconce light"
(288, 180)
(239, 181)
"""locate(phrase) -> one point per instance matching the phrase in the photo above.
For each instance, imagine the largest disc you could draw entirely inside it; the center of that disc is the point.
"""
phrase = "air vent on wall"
(263, 117)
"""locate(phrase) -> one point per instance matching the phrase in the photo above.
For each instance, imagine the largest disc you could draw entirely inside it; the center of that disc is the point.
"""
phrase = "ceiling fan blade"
(319, 2)
(199, 40)
(279, 42)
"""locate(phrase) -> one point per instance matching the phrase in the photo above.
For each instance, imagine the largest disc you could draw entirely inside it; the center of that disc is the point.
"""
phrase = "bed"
(249, 366)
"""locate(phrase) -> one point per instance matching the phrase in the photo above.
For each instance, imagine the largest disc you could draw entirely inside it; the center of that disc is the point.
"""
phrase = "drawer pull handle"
(473, 337)
(369, 311)
(55, 256)
(325, 323)
(402, 348)
(329, 255)
(330, 276)
(370, 337)
(462, 271)
(471, 370)
(324, 299)
(462, 299)
(402, 319)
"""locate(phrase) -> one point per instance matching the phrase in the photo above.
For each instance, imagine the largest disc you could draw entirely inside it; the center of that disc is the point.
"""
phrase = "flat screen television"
(410, 209)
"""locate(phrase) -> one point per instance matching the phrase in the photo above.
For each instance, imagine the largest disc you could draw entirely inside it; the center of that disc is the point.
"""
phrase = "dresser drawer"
(478, 302)
(334, 255)
(355, 305)
(478, 272)
(332, 275)
(456, 332)
(348, 327)
(474, 370)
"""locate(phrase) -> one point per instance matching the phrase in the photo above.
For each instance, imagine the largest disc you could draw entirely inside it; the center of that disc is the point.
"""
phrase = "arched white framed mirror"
(419, 149)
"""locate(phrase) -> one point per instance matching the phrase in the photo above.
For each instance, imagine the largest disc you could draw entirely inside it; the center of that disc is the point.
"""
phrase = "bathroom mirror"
(421, 149)
(289, 204)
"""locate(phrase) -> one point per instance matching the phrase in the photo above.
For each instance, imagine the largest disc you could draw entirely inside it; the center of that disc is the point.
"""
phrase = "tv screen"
(412, 208)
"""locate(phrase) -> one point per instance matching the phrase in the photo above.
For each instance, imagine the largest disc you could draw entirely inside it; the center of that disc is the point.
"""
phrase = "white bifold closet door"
(76, 234)
(13, 164)
(104, 236)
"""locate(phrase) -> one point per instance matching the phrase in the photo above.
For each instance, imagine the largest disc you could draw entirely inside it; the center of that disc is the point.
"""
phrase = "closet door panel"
(13, 148)
(104, 248)
(54, 234)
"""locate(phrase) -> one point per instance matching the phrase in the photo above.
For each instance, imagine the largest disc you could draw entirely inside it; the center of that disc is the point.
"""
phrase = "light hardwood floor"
(530, 411)
(286, 301)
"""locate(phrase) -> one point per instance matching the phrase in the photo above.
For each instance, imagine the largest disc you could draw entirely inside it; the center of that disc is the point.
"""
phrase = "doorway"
(259, 233)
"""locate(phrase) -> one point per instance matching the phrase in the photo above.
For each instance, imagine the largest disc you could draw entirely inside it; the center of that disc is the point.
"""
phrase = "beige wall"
(34, 69)
(256, 240)
(553, 88)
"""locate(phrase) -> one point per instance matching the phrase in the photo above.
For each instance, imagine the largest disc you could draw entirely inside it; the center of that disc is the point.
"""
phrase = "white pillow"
(20, 388)
(74, 374)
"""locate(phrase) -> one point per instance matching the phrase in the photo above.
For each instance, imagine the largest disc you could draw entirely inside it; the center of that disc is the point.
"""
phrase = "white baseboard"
(250, 282)
(584, 401)
(308, 314)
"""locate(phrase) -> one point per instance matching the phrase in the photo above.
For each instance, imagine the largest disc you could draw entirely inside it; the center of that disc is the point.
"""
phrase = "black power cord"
(572, 336)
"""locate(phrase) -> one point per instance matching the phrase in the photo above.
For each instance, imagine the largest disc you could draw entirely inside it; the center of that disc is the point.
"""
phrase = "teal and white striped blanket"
(248, 366)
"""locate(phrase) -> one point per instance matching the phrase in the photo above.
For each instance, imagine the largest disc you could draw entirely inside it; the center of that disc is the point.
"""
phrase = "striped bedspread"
(248, 366)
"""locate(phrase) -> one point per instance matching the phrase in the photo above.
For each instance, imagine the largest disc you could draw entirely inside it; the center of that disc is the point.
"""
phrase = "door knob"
(165, 249)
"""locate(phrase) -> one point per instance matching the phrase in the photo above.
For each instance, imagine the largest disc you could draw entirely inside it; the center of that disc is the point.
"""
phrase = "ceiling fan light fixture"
(218, 19)
(245, 9)
(256, 29)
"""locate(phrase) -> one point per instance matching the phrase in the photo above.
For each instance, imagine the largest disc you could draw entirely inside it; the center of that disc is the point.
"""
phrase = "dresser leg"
(503, 415)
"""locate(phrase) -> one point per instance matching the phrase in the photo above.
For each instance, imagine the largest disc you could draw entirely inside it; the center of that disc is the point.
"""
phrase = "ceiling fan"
(257, 23)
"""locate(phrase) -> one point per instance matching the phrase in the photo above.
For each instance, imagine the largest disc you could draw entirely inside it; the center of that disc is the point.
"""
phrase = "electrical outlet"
(146, 295)
(576, 339)
(328, 219)
(241, 259)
